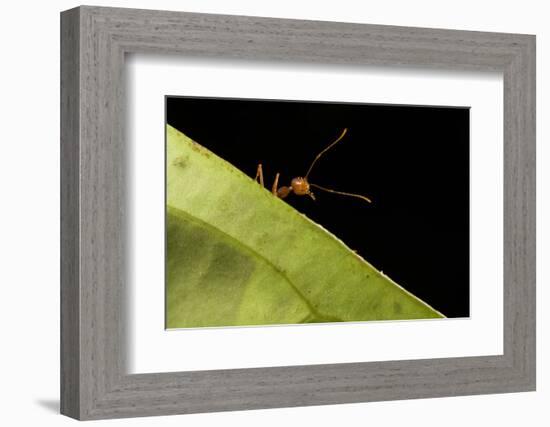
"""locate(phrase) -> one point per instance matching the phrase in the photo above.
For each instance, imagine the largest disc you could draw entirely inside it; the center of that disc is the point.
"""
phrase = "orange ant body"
(300, 185)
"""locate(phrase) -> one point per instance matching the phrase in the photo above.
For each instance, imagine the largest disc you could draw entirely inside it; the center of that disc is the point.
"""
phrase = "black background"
(412, 161)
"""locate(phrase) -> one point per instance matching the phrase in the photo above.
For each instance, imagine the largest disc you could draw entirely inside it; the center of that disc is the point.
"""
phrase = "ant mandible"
(300, 185)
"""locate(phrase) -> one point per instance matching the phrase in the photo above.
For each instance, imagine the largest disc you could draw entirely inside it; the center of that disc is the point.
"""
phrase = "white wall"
(29, 200)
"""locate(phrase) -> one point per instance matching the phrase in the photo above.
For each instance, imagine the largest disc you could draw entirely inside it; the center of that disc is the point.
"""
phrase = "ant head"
(300, 186)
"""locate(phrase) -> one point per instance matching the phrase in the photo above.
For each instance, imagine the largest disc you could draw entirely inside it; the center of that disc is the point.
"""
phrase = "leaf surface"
(237, 255)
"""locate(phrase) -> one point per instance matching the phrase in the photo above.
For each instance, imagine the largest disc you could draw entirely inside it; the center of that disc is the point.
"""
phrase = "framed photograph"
(280, 267)
(262, 213)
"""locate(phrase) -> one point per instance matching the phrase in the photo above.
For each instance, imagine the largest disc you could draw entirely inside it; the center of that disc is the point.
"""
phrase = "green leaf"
(237, 255)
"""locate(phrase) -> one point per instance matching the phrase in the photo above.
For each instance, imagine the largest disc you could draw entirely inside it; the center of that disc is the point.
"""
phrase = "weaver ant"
(300, 185)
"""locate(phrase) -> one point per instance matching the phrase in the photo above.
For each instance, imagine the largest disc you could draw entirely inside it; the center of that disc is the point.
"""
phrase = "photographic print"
(294, 212)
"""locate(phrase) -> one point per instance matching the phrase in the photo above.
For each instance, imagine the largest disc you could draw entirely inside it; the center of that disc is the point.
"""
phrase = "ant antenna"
(324, 151)
(341, 192)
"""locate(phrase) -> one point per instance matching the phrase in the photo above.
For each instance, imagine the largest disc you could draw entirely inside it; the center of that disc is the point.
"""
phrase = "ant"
(300, 185)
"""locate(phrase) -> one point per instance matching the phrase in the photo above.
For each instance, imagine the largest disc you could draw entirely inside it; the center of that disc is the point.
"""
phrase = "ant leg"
(275, 184)
(259, 174)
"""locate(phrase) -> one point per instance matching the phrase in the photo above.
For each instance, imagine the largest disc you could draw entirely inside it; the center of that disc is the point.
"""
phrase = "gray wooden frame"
(94, 382)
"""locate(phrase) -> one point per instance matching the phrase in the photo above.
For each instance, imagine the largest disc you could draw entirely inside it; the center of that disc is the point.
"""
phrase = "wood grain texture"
(70, 291)
(94, 272)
